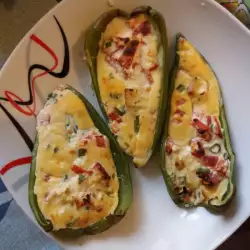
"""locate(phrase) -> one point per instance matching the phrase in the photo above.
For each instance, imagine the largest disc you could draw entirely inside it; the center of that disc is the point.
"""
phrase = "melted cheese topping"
(129, 66)
(76, 182)
(196, 157)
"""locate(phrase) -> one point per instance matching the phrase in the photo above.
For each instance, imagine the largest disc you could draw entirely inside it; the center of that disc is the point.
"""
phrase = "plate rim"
(50, 13)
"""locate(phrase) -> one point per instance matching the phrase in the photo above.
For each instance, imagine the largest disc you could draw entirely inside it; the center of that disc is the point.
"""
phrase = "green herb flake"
(52, 96)
(66, 177)
(81, 178)
(56, 149)
(107, 44)
(111, 76)
(180, 88)
(137, 124)
(115, 95)
(86, 208)
(81, 152)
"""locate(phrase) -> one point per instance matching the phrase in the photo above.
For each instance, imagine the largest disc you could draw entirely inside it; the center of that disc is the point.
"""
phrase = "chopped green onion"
(111, 76)
(81, 178)
(180, 88)
(115, 95)
(215, 149)
(108, 44)
(137, 124)
(65, 177)
(202, 171)
(121, 110)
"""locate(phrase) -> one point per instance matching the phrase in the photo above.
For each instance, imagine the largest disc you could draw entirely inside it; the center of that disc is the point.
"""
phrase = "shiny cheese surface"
(129, 69)
(196, 158)
(76, 182)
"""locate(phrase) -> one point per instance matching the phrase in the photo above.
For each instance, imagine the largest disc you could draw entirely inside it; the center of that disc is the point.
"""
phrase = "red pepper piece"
(210, 160)
(100, 141)
(217, 128)
(78, 170)
(114, 116)
(98, 166)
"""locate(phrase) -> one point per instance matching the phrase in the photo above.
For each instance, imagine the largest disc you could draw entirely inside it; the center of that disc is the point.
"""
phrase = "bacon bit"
(180, 101)
(168, 146)
(202, 129)
(180, 112)
(100, 141)
(177, 120)
(149, 77)
(154, 67)
(190, 90)
(79, 204)
(127, 56)
(221, 167)
(210, 160)
(197, 149)
(209, 120)
(102, 170)
(134, 65)
(217, 129)
(207, 137)
(46, 177)
(143, 28)
(200, 126)
(114, 116)
(214, 178)
(78, 170)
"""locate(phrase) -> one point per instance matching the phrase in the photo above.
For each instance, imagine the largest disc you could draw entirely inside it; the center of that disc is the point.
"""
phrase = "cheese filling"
(76, 181)
(196, 158)
(129, 69)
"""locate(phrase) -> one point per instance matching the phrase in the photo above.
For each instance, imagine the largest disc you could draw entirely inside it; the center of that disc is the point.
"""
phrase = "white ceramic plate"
(153, 222)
